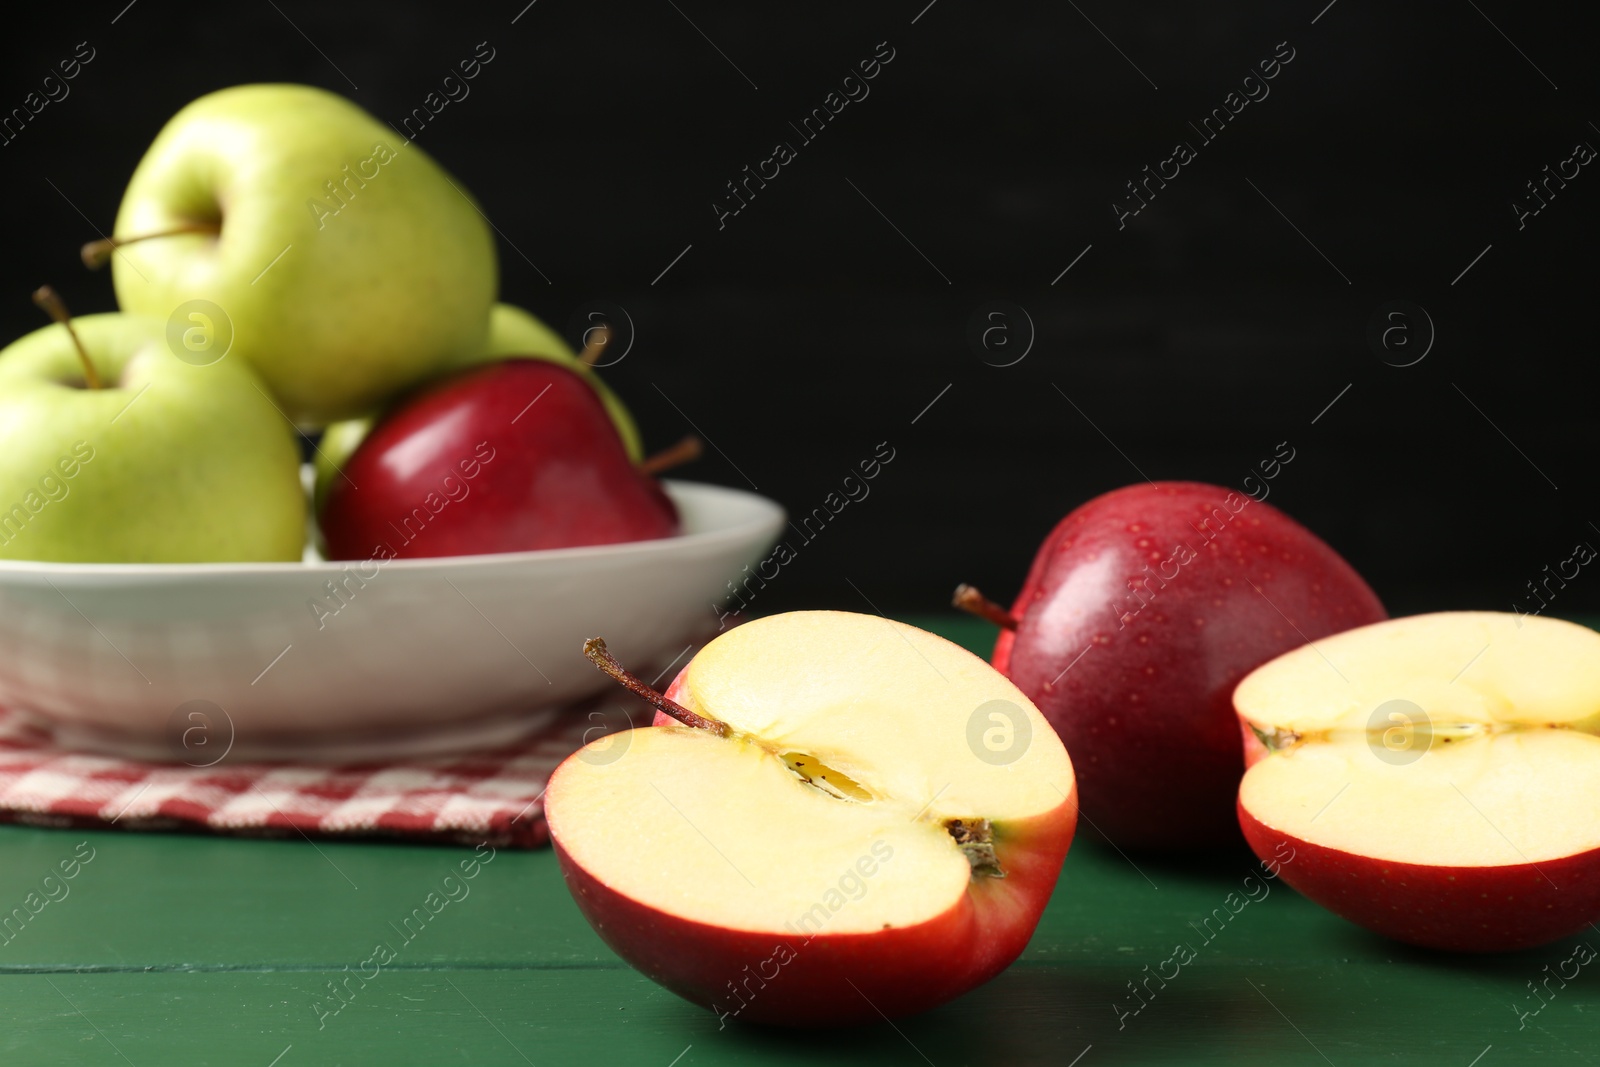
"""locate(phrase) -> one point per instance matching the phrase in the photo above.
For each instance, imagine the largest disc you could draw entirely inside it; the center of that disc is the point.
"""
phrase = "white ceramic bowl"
(424, 655)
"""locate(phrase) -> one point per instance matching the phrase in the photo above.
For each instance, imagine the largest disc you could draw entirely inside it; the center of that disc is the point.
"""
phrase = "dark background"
(809, 330)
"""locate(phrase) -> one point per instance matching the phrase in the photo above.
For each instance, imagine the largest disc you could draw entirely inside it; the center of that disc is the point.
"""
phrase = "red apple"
(1437, 777)
(508, 457)
(1142, 611)
(859, 818)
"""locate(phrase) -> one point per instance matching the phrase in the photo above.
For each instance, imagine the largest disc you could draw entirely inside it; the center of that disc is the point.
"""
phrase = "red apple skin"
(1000, 659)
(799, 980)
(1147, 712)
(556, 473)
(1254, 750)
(1460, 909)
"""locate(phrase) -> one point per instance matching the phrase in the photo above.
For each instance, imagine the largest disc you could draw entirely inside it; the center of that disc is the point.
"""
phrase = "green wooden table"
(170, 950)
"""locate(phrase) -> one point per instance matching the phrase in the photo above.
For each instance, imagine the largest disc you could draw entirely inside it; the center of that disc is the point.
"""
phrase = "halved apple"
(1438, 776)
(866, 821)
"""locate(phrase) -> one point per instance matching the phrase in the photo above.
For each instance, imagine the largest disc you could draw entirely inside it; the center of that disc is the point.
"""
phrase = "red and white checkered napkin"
(492, 796)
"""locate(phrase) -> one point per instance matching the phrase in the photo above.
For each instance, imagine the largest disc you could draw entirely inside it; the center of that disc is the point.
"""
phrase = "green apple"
(347, 263)
(339, 440)
(512, 332)
(515, 332)
(168, 462)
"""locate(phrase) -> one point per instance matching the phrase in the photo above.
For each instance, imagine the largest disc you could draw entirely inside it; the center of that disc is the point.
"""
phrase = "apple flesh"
(169, 462)
(842, 850)
(1438, 777)
(1141, 612)
(507, 457)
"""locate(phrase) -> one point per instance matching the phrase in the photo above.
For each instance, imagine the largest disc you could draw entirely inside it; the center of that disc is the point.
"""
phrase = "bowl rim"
(764, 513)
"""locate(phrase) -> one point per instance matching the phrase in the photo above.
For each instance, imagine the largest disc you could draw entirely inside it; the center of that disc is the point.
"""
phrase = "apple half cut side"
(873, 825)
(1437, 776)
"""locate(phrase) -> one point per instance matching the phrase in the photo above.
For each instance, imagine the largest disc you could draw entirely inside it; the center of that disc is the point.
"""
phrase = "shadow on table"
(1028, 1015)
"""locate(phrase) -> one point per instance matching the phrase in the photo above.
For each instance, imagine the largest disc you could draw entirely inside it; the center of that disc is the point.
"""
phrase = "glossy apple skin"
(1000, 659)
(794, 980)
(1147, 712)
(1461, 909)
(556, 473)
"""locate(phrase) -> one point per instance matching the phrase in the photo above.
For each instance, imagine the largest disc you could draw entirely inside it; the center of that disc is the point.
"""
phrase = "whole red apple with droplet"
(1142, 611)
(508, 457)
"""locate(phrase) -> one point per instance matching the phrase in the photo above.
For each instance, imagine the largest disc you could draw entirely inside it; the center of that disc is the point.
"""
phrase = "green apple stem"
(97, 254)
(968, 599)
(595, 649)
(595, 345)
(685, 450)
(51, 303)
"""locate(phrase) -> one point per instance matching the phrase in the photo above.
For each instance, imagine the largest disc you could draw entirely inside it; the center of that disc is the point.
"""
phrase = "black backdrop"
(1184, 342)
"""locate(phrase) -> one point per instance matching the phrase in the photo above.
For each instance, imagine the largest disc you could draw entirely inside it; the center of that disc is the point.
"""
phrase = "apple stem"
(685, 450)
(97, 254)
(595, 345)
(968, 599)
(50, 302)
(595, 649)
